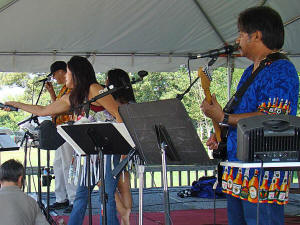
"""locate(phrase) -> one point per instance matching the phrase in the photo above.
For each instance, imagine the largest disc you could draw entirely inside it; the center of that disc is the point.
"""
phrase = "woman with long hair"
(118, 78)
(81, 78)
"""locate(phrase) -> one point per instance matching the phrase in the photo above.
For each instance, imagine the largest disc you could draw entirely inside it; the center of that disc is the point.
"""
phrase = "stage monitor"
(269, 138)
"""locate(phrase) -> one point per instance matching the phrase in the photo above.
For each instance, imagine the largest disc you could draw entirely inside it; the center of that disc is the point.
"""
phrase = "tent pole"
(229, 75)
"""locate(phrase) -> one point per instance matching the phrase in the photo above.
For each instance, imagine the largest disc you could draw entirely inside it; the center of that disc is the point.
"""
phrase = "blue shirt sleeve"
(279, 89)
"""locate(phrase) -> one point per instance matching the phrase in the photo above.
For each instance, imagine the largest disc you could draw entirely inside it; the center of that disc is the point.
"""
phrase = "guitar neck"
(215, 124)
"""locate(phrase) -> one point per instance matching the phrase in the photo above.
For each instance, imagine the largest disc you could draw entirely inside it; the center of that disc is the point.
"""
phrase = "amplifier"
(269, 138)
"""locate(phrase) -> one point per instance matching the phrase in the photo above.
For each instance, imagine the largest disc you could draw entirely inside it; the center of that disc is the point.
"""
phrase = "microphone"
(228, 49)
(141, 74)
(48, 78)
(2, 106)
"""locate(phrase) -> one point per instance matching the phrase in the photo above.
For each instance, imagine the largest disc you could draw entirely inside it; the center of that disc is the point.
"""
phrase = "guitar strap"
(237, 97)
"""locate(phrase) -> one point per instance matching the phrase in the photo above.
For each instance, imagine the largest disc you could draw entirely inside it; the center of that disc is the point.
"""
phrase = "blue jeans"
(81, 199)
(241, 212)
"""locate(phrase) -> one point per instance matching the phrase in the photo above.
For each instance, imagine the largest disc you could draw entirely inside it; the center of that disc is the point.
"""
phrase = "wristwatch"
(225, 120)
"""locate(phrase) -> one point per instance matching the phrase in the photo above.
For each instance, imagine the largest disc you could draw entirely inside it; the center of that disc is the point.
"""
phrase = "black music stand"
(96, 138)
(163, 134)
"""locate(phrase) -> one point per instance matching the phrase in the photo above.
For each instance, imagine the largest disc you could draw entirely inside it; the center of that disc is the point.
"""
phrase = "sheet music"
(119, 126)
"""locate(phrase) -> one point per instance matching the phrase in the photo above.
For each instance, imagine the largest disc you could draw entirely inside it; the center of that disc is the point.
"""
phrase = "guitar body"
(221, 151)
(220, 132)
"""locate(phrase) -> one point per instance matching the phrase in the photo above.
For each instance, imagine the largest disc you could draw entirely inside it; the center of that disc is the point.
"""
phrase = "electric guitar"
(220, 132)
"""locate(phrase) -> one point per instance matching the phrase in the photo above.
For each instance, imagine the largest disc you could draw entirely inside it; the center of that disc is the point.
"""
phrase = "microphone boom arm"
(105, 93)
(210, 63)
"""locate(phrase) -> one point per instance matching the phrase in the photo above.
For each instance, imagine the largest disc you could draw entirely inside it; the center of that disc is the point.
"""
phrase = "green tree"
(28, 82)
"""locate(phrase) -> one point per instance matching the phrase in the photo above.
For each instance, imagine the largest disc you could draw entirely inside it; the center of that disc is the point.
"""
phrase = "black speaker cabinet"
(270, 138)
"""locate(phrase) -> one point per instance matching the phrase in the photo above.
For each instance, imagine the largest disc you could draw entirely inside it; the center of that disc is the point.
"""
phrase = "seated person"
(17, 208)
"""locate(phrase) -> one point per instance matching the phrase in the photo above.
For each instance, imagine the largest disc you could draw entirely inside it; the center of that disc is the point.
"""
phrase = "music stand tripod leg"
(48, 182)
(165, 185)
(141, 169)
(98, 141)
(103, 194)
(25, 153)
(88, 159)
(39, 197)
(39, 178)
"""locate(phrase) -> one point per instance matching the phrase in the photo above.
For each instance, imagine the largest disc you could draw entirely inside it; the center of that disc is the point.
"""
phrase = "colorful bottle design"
(280, 107)
(230, 182)
(285, 106)
(287, 190)
(269, 103)
(224, 179)
(277, 187)
(273, 108)
(288, 108)
(237, 184)
(245, 185)
(274, 187)
(281, 104)
(253, 188)
(283, 188)
(263, 190)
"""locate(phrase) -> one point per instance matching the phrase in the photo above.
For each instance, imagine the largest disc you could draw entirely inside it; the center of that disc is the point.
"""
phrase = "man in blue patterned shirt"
(274, 90)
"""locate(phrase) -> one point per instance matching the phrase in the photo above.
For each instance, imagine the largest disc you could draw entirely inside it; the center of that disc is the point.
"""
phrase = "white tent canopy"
(153, 35)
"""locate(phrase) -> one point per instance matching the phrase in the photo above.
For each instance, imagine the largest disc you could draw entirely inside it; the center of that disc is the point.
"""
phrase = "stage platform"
(190, 210)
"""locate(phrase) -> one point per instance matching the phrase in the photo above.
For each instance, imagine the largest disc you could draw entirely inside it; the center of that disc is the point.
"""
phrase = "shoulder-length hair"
(118, 78)
(83, 75)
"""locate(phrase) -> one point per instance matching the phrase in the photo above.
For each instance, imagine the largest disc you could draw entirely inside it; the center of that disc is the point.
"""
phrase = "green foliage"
(31, 91)
(156, 86)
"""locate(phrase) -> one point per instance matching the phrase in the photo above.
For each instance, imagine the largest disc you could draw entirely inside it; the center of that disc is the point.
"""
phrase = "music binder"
(77, 136)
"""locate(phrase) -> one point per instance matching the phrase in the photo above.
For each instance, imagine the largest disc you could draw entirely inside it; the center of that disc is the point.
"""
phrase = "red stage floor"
(183, 217)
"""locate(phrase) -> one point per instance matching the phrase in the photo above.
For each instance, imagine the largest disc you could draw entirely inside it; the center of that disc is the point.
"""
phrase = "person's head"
(262, 24)
(80, 75)
(118, 78)
(12, 172)
(58, 70)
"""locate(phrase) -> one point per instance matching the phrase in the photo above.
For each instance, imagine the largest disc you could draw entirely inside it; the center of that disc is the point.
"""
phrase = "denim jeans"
(81, 199)
(241, 212)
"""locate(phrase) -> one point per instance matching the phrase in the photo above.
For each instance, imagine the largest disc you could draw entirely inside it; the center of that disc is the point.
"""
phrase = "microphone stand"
(101, 95)
(39, 198)
(112, 90)
(32, 117)
(105, 93)
(210, 63)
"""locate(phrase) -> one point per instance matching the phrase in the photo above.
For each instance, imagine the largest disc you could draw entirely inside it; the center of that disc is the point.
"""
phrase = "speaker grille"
(273, 148)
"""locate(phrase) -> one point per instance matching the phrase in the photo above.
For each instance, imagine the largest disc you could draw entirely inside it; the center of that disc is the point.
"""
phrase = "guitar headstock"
(205, 77)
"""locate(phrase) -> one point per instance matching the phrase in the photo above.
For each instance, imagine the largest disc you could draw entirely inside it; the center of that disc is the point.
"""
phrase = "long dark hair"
(118, 78)
(83, 76)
